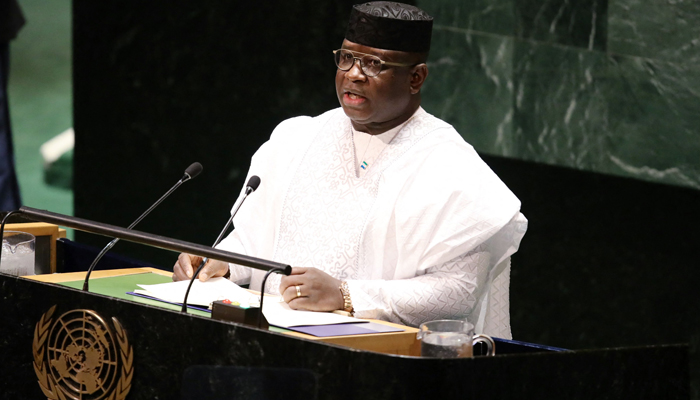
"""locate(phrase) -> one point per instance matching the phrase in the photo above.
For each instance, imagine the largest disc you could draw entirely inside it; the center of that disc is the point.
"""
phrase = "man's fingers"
(212, 269)
(308, 304)
(318, 291)
(302, 304)
(298, 270)
(187, 264)
(181, 267)
(186, 261)
(290, 281)
(177, 273)
(294, 292)
(297, 297)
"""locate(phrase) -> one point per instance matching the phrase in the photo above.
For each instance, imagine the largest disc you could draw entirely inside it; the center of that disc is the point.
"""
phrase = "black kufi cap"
(391, 26)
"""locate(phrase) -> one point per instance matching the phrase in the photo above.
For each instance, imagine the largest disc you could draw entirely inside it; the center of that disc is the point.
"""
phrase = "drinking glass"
(448, 338)
(17, 253)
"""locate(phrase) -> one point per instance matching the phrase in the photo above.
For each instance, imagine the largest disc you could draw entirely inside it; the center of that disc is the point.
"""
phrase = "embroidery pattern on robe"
(326, 207)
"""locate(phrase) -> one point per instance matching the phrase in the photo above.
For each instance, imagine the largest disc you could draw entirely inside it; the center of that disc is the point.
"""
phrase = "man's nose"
(355, 72)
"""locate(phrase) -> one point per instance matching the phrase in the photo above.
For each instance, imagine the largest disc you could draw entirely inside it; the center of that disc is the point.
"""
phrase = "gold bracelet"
(347, 302)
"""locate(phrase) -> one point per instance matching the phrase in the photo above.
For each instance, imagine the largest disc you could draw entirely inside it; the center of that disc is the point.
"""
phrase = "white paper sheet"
(202, 293)
(278, 313)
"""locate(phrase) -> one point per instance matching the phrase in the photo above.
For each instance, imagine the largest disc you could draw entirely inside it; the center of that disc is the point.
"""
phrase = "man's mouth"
(353, 98)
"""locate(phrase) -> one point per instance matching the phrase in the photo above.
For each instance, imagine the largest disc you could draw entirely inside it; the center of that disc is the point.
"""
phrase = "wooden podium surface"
(46, 236)
(400, 343)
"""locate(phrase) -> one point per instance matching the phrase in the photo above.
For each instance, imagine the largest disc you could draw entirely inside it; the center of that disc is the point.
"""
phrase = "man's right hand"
(188, 263)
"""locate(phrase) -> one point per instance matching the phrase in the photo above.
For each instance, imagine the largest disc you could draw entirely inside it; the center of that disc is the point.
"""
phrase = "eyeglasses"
(370, 65)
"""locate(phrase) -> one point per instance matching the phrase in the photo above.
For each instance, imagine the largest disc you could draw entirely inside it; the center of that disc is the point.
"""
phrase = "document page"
(202, 293)
(276, 311)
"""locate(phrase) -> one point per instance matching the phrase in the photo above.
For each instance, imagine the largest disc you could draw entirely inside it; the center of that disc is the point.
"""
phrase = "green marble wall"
(610, 86)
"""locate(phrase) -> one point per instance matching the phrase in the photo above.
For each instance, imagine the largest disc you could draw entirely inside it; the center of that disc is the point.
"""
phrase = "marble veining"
(580, 23)
(590, 111)
(486, 16)
(470, 86)
(560, 107)
(664, 30)
(610, 86)
(671, 175)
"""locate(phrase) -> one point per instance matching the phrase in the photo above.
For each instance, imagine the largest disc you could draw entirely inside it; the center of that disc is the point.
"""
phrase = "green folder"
(118, 286)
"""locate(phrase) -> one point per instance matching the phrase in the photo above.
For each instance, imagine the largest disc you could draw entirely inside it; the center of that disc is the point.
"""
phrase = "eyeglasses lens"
(371, 65)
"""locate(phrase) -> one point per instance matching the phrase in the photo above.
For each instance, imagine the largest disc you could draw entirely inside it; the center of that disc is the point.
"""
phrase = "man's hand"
(187, 263)
(319, 291)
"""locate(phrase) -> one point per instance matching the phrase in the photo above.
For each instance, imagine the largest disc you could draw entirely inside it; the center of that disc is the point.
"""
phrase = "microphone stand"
(252, 185)
(190, 173)
(262, 291)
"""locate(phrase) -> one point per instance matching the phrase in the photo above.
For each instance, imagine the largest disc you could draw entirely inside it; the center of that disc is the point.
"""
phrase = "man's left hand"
(317, 291)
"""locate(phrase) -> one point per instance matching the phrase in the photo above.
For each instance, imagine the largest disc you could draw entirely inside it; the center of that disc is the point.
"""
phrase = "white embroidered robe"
(421, 236)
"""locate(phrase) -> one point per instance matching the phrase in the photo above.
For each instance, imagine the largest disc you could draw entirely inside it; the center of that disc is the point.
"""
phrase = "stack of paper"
(276, 311)
(201, 294)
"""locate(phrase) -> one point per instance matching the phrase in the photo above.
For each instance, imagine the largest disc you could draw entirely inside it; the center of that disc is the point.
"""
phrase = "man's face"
(378, 103)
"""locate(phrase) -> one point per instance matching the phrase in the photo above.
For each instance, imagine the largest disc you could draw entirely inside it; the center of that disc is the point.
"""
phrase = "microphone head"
(253, 182)
(193, 170)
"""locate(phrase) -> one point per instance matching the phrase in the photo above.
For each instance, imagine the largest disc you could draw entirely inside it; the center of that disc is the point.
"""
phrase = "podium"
(156, 353)
(167, 344)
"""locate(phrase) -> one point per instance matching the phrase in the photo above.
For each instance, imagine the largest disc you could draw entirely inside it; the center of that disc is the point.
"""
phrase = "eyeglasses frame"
(362, 68)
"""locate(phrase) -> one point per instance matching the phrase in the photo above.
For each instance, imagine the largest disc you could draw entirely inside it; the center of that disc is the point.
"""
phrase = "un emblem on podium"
(78, 356)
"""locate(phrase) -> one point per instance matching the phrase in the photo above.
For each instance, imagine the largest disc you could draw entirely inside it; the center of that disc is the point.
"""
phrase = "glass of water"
(17, 253)
(449, 338)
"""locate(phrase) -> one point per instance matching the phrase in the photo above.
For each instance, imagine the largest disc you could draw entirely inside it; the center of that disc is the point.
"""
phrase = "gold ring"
(298, 290)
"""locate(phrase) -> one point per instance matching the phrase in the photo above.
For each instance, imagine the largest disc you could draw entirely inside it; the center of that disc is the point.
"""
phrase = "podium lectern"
(167, 344)
(54, 336)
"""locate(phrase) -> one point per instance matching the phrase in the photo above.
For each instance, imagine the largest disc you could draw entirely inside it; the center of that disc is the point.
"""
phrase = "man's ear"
(418, 75)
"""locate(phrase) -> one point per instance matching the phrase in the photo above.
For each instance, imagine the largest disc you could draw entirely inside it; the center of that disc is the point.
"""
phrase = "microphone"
(252, 185)
(190, 173)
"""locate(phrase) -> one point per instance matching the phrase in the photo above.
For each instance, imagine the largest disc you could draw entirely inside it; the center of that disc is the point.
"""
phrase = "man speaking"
(381, 209)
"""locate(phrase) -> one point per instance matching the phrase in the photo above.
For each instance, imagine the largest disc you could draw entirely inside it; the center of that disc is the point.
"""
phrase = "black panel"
(159, 85)
(216, 382)
(606, 261)
(165, 343)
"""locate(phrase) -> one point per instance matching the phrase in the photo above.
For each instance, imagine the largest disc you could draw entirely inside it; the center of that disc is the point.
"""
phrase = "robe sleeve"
(239, 274)
(255, 223)
(448, 290)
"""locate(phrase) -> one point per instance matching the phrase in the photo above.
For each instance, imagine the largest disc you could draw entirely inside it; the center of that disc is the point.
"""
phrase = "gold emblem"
(76, 357)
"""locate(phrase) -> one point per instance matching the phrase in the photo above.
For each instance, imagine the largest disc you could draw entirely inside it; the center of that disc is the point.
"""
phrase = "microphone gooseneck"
(251, 186)
(262, 290)
(190, 173)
